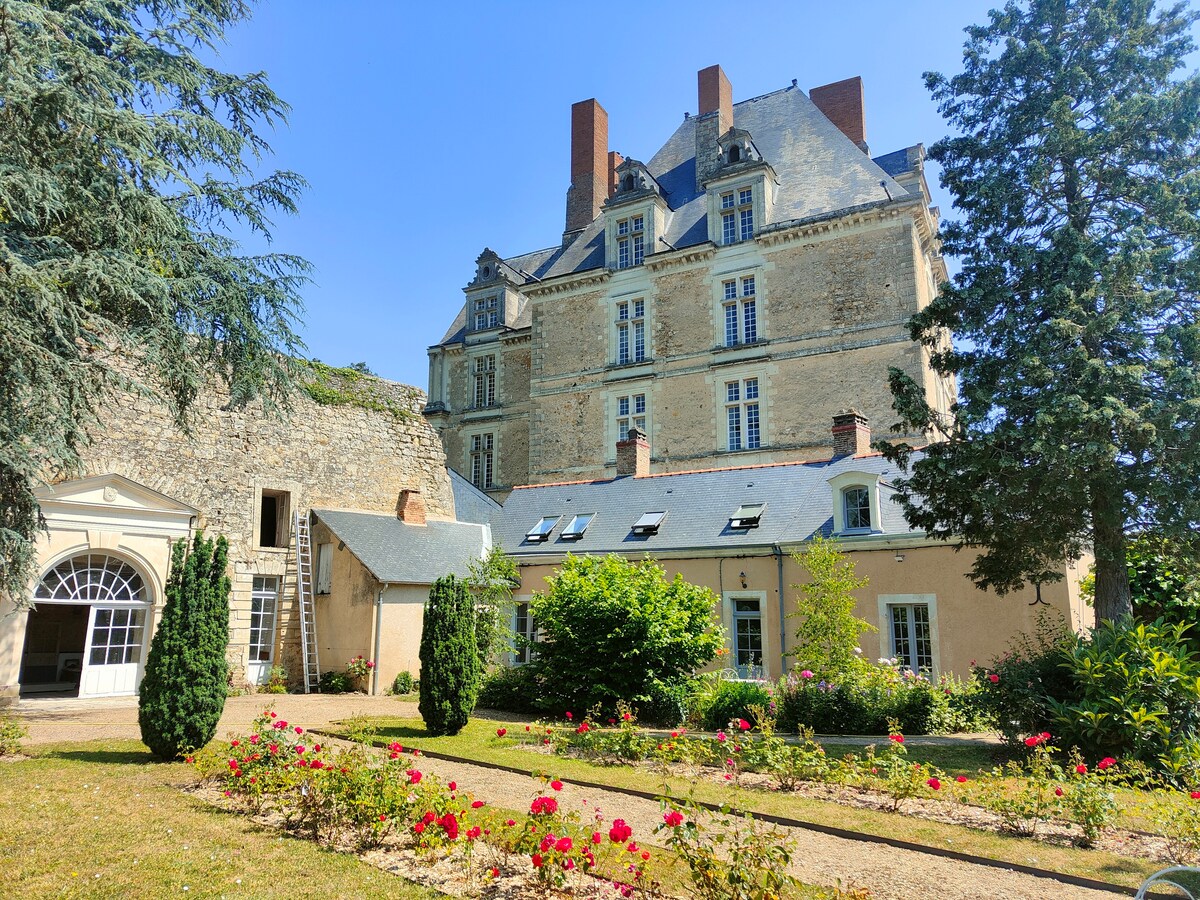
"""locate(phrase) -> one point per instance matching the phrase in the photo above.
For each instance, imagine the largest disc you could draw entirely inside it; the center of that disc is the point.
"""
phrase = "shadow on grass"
(101, 756)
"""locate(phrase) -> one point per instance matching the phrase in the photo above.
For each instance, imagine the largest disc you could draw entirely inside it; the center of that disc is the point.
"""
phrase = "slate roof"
(397, 553)
(820, 172)
(470, 503)
(698, 505)
(896, 163)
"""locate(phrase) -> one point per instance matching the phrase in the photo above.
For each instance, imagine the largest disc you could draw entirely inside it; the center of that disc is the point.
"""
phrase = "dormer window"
(737, 215)
(735, 154)
(856, 507)
(577, 526)
(486, 311)
(747, 516)
(541, 531)
(649, 523)
(631, 242)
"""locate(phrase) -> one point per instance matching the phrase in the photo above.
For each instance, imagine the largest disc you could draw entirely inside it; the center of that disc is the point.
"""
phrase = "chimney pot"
(851, 434)
(410, 507)
(842, 103)
(633, 455)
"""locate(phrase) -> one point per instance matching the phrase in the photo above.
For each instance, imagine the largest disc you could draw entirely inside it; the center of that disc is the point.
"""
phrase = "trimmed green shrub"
(618, 630)
(276, 681)
(666, 706)
(333, 682)
(403, 683)
(11, 733)
(449, 658)
(186, 681)
(1136, 696)
(731, 701)
(509, 690)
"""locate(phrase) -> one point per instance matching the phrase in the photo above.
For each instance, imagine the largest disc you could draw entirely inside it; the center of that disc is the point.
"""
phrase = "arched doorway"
(86, 635)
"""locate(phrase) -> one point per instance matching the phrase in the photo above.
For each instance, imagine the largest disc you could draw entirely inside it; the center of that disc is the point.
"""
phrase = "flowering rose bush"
(891, 770)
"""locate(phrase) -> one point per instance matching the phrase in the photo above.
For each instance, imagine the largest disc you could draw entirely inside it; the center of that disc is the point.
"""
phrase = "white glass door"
(112, 659)
(263, 600)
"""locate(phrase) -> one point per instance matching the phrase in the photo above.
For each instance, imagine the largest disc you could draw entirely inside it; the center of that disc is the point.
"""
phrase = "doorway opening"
(55, 640)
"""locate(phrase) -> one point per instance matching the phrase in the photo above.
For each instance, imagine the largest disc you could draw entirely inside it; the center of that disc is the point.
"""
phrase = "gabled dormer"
(740, 189)
(635, 216)
(492, 294)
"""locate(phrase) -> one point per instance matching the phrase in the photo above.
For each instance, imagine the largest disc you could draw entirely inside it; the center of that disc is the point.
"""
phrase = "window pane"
(747, 224)
(730, 290)
(735, 428)
(639, 403)
(733, 392)
(728, 228)
(745, 195)
(731, 325)
(751, 388)
(857, 508)
(750, 319)
(752, 433)
(748, 286)
(727, 201)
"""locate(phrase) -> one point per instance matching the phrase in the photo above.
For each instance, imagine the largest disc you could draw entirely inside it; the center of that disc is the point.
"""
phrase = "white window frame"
(259, 595)
(749, 405)
(737, 219)
(887, 602)
(483, 368)
(731, 617)
(486, 312)
(630, 331)
(628, 415)
(482, 453)
(631, 241)
(519, 656)
(739, 308)
(846, 481)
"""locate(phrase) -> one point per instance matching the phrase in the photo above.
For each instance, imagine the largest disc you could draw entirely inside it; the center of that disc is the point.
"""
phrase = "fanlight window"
(92, 578)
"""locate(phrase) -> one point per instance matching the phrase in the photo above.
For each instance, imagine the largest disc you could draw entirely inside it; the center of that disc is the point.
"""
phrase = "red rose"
(673, 819)
(537, 860)
(1081, 769)
(453, 785)
(1058, 792)
(478, 804)
(501, 732)
(556, 784)
(563, 845)
(994, 678)
(934, 783)
(1106, 763)
(961, 779)
(898, 738)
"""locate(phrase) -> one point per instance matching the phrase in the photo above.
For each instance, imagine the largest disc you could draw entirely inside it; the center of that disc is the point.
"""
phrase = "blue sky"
(429, 131)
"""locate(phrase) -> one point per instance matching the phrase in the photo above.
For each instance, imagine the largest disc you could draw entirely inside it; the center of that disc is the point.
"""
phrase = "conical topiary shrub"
(449, 660)
(184, 688)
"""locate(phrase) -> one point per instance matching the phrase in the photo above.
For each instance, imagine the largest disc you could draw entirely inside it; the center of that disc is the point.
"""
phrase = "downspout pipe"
(378, 639)
(777, 552)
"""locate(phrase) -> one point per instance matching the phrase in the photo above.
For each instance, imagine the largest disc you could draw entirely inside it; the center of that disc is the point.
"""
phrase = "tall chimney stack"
(715, 95)
(842, 103)
(589, 166)
(410, 507)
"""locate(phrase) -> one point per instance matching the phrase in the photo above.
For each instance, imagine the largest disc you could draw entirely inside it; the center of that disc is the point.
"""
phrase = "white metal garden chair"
(1177, 881)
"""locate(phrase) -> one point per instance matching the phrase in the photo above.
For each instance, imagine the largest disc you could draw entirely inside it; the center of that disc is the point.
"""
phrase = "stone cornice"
(683, 256)
(781, 232)
(569, 282)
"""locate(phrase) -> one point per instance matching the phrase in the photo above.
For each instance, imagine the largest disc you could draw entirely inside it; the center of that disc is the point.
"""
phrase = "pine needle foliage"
(450, 670)
(1076, 176)
(128, 164)
(186, 681)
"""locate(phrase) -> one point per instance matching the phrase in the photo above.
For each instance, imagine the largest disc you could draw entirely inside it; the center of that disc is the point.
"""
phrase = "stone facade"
(361, 454)
(831, 294)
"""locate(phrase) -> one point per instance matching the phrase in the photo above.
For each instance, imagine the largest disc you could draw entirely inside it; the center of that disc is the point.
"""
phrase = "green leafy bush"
(403, 683)
(186, 682)
(1017, 689)
(619, 630)
(277, 681)
(827, 638)
(333, 682)
(449, 658)
(509, 690)
(864, 700)
(11, 733)
(734, 700)
(1136, 695)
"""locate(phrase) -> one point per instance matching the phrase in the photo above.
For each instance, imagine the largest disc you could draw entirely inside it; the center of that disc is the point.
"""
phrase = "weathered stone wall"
(357, 455)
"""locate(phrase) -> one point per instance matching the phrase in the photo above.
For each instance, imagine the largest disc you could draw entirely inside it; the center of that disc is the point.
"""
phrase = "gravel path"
(891, 873)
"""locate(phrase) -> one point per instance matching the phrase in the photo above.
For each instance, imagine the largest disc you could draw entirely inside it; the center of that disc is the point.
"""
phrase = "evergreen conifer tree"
(184, 687)
(1076, 173)
(450, 668)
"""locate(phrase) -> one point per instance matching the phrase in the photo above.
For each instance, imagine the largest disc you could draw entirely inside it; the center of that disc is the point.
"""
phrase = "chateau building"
(726, 298)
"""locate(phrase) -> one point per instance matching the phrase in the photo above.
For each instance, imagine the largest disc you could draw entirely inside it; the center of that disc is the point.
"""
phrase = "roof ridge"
(791, 87)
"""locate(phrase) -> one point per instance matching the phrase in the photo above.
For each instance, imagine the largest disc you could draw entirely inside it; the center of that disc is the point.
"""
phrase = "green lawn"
(478, 741)
(102, 819)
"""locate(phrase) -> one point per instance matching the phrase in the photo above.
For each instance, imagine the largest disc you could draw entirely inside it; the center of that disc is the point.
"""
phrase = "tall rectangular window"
(741, 311)
(631, 331)
(631, 242)
(912, 642)
(631, 413)
(485, 380)
(743, 426)
(737, 216)
(264, 597)
(324, 568)
(482, 462)
(747, 638)
(525, 633)
(487, 312)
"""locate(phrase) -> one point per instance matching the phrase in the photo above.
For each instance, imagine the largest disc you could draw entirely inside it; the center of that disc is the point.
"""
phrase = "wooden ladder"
(304, 594)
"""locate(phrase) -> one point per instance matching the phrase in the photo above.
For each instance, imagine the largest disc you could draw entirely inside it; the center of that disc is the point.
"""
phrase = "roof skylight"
(541, 531)
(747, 516)
(648, 523)
(577, 526)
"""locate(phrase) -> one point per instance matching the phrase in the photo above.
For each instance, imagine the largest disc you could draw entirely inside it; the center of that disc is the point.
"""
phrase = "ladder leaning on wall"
(304, 594)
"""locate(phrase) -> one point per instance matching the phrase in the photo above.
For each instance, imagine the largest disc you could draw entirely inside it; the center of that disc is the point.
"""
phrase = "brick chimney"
(633, 455)
(614, 161)
(851, 434)
(715, 96)
(410, 507)
(842, 104)
(590, 164)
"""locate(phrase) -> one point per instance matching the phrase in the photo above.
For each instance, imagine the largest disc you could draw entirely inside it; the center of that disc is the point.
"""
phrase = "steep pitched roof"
(820, 172)
(397, 553)
(698, 507)
(470, 503)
